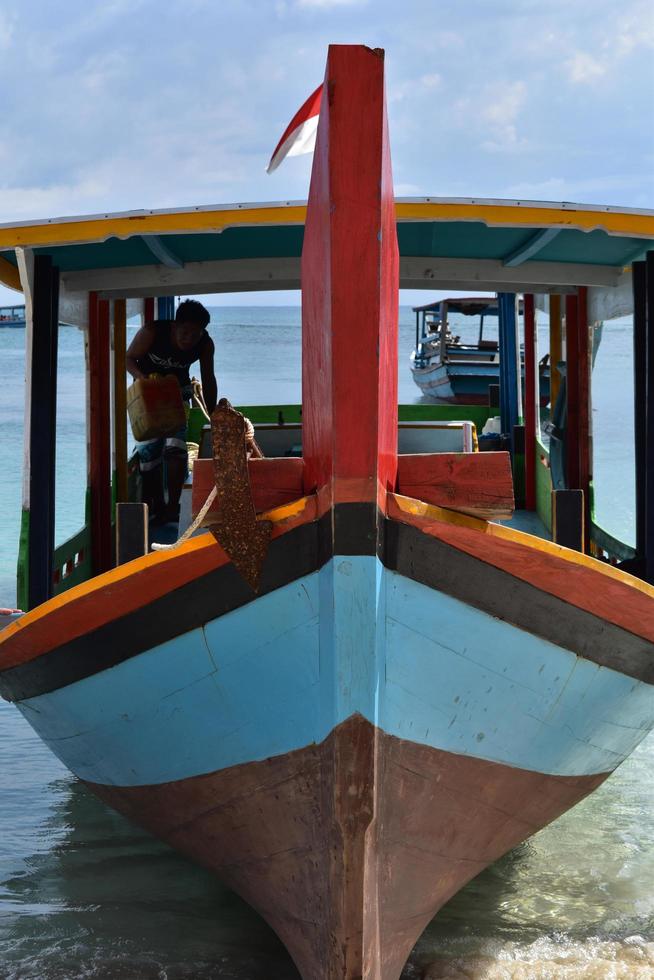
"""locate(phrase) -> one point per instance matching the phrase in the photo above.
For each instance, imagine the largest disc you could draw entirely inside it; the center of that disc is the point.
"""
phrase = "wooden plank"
(99, 434)
(479, 484)
(530, 401)
(120, 398)
(273, 482)
(568, 518)
(350, 289)
(131, 531)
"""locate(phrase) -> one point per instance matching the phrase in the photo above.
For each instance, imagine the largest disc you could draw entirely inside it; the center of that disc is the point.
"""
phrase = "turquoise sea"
(84, 894)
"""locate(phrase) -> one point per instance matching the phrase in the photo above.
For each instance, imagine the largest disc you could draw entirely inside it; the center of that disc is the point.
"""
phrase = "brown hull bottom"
(349, 848)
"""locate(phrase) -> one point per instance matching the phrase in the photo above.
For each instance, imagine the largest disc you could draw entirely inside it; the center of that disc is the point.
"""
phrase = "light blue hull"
(353, 638)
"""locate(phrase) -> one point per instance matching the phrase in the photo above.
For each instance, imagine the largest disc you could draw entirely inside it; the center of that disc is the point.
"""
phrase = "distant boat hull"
(464, 384)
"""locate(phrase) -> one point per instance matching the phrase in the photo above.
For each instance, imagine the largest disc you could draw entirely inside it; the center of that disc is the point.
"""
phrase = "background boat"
(12, 316)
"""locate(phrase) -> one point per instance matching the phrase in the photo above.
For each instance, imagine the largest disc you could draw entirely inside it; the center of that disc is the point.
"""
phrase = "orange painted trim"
(127, 588)
(577, 579)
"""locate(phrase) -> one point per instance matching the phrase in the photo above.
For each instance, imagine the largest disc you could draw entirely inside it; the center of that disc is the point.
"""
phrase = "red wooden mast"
(350, 279)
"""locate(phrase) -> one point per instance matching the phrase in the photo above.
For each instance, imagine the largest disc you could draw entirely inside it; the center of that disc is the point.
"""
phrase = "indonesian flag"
(300, 134)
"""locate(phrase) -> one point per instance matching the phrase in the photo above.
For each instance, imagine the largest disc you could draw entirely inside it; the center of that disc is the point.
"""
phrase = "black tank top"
(164, 358)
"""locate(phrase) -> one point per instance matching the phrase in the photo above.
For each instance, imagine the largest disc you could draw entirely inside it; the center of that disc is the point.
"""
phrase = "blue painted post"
(165, 308)
(510, 393)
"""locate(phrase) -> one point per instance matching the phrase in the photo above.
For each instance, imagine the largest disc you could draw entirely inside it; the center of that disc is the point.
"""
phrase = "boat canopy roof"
(466, 305)
(451, 243)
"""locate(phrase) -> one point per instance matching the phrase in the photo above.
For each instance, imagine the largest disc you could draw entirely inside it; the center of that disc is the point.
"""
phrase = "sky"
(112, 105)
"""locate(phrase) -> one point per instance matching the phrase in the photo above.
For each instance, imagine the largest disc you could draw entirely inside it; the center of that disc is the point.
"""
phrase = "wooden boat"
(461, 372)
(12, 316)
(350, 705)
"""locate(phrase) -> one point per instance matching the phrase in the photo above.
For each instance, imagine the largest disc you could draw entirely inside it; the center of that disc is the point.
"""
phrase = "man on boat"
(170, 347)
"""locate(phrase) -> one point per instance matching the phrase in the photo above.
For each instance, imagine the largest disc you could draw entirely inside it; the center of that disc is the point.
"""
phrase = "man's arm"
(139, 347)
(209, 385)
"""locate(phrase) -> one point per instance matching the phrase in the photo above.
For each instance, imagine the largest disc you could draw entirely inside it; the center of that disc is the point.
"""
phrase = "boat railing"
(72, 561)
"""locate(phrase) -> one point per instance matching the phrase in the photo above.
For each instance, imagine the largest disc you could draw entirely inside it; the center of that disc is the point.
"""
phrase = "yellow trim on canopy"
(86, 230)
(613, 222)
(96, 229)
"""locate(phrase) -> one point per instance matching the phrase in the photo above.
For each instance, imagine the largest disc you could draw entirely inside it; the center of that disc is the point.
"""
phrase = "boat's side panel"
(353, 638)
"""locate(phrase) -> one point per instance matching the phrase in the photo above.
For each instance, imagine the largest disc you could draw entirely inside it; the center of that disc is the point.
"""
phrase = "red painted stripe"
(530, 402)
(99, 434)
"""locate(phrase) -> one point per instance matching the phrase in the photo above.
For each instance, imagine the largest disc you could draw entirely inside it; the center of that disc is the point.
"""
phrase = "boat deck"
(529, 522)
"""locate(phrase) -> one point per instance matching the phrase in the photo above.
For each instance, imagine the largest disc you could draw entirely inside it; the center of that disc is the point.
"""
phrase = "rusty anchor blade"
(237, 530)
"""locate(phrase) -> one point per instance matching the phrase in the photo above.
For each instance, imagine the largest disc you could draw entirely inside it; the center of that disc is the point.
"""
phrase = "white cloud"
(583, 67)
(497, 107)
(6, 29)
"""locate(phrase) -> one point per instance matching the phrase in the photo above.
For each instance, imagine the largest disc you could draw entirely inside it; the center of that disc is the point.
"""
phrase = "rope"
(191, 528)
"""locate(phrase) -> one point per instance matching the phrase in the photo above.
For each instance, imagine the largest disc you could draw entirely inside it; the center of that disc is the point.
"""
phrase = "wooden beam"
(479, 484)
(42, 369)
(640, 403)
(283, 272)
(535, 277)
(531, 401)
(120, 398)
(131, 531)
(568, 518)
(578, 427)
(349, 321)
(585, 406)
(99, 434)
(510, 373)
(556, 349)
(162, 252)
(572, 390)
(532, 247)
(148, 309)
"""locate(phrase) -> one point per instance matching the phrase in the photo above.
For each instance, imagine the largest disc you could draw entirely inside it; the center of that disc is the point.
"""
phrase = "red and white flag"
(300, 134)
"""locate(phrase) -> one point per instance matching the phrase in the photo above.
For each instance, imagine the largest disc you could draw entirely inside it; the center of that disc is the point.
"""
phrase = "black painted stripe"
(305, 549)
(444, 568)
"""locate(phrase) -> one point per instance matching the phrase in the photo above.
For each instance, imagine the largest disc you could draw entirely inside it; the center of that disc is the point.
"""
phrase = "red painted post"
(530, 402)
(584, 410)
(148, 309)
(99, 434)
(350, 278)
